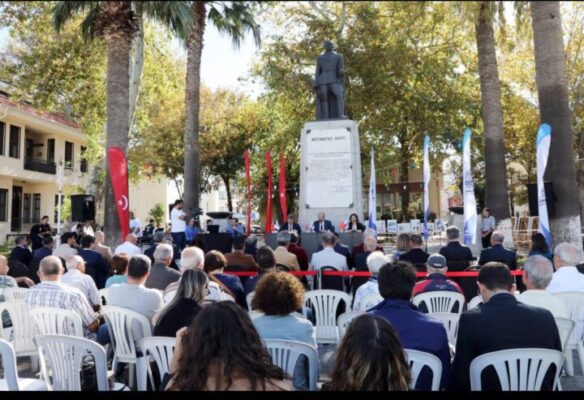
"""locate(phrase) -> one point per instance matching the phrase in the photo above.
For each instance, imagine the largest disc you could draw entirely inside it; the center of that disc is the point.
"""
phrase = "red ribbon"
(268, 228)
(282, 189)
(468, 274)
(248, 183)
(118, 169)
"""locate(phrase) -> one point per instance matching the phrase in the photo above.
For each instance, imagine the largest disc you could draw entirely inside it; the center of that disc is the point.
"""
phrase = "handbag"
(88, 375)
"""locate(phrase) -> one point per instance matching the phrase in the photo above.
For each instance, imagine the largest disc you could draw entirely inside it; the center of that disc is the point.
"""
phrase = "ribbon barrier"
(461, 274)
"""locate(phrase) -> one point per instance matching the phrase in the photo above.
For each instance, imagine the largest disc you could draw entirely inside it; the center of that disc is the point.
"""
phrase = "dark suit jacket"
(149, 252)
(96, 266)
(501, 323)
(458, 257)
(415, 256)
(361, 249)
(361, 261)
(328, 226)
(295, 227)
(21, 254)
(360, 227)
(41, 253)
(500, 254)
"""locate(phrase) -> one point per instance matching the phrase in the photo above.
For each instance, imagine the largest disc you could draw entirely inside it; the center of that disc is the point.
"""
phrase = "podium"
(311, 240)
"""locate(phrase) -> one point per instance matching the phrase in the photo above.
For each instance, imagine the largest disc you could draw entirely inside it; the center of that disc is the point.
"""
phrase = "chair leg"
(581, 356)
(569, 365)
(34, 363)
(141, 374)
(131, 369)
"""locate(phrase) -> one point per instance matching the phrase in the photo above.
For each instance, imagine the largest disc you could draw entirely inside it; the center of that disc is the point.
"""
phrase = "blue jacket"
(95, 266)
(328, 226)
(500, 254)
(417, 331)
(41, 253)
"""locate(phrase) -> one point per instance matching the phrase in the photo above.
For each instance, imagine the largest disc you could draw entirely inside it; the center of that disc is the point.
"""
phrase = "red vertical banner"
(247, 182)
(282, 188)
(268, 228)
(119, 176)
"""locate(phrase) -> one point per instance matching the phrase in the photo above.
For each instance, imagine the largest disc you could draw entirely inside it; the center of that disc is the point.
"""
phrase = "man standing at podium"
(322, 225)
(291, 226)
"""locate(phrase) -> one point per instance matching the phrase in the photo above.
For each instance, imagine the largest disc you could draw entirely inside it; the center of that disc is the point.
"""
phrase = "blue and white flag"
(470, 203)
(426, 185)
(544, 137)
(372, 196)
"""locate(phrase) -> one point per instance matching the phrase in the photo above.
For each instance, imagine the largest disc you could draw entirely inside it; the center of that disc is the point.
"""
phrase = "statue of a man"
(328, 83)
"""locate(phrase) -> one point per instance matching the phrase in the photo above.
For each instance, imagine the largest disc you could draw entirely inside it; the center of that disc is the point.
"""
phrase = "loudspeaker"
(82, 207)
(550, 198)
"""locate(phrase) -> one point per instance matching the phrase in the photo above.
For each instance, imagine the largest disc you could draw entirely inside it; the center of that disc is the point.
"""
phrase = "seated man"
(283, 256)
(375, 261)
(370, 245)
(458, 257)
(51, 292)
(295, 248)
(436, 277)
(67, 247)
(291, 226)
(76, 277)
(237, 257)
(234, 229)
(21, 253)
(95, 265)
(328, 257)
(129, 246)
(267, 262)
(537, 275)
(9, 282)
(105, 251)
(500, 323)
(322, 225)
(361, 247)
(45, 250)
(567, 278)
(158, 238)
(415, 329)
(498, 253)
(160, 274)
(415, 255)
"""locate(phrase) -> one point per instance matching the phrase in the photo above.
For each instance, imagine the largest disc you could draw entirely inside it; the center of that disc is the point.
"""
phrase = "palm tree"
(551, 76)
(116, 23)
(235, 19)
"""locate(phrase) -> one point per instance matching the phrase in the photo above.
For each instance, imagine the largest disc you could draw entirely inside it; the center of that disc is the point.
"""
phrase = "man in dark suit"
(291, 226)
(416, 255)
(322, 225)
(370, 244)
(500, 323)
(360, 248)
(44, 251)
(95, 265)
(237, 260)
(21, 253)
(498, 253)
(458, 257)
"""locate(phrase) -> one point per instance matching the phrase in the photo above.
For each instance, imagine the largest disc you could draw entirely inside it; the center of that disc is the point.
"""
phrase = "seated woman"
(184, 306)
(402, 246)
(215, 263)
(354, 224)
(278, 295)
(222, 351)
(120, 268)
(540, 247)
(369, 358)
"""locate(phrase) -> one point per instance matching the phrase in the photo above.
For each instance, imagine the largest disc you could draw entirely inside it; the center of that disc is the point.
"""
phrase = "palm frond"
(88, 24)
(235, 19)
(64, 11)
(175, 15)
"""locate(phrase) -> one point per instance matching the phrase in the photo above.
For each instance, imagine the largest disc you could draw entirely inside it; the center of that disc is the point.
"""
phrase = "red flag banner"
(282, 188)
(247, 181)
(119, 177)
(268, 228)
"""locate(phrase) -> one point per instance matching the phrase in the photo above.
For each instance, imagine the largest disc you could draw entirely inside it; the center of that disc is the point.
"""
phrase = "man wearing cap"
(436, 279)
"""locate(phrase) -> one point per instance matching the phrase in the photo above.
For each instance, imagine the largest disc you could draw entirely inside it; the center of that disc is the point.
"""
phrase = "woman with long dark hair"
(354, 224)
(540, 247)
(370, 357)
(221, 350)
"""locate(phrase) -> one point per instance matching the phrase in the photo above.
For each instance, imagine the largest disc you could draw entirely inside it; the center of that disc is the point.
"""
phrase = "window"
(14, 146)
(83, 166)
(68, 155)
(51, 150)
(36, 201)
(3, 204)
(26, 208)
(2, 129)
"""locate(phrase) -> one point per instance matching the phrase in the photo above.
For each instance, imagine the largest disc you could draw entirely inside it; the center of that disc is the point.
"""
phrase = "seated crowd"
(197, 299)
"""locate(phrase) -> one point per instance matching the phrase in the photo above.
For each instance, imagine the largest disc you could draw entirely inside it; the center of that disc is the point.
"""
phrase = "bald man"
(105, 251)
(129, 246)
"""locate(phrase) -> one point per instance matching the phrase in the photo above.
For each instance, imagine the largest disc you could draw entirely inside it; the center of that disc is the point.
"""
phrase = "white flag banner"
(470, 203)
(426, 184)
(372, 196)
(544, 136)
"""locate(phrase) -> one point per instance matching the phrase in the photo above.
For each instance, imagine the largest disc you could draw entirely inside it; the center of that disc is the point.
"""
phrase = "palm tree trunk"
(227, 183)
(118, 98)
(191, 139)
(551, 76)
(496, 196)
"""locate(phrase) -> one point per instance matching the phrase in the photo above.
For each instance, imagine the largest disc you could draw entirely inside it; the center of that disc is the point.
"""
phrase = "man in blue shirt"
(415, 329)
(234, 229)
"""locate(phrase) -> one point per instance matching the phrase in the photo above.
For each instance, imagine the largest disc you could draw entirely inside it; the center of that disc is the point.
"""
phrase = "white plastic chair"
(517, 369)
(22, 330)
(120, 322)
(63, 356)
(11, 381)
(285, 354)
(474, 302)
(15, 293)
(345, 319)
(102, 293)
(418, 360)
(450, 322)
(161, 349)
(56, 321)
(248, 299)
(325, 304)
(169, 296)
(440, 301)
(574, 302)
(565, 328)
(371, 301)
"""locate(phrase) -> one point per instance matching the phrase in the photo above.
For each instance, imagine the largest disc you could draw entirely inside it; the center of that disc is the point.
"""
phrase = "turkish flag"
(282, 189)
(269, 228)
(119, 176)
(246, 159)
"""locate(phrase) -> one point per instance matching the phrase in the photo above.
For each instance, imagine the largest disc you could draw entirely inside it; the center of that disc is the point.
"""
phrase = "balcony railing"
(33, 164)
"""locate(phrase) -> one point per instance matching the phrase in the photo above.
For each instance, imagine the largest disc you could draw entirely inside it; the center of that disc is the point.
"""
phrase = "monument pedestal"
(330, 171)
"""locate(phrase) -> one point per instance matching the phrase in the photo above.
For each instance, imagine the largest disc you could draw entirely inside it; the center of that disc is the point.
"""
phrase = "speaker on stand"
(82, 208)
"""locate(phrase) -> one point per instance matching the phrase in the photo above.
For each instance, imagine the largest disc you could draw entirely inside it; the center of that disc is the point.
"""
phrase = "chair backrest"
(122, 324)
(418, 360)
(285, 354)
(56, 321)
(330, 282)
(102, 296)
(22, 326)
(248, 299)
(15, 293)
(325, 304)
(450, 322)
(517, 369)
(440, 301)
(371, 301)
(474, 302)
(9, 365)
(64, 356)
(345, 319)
(565, 328)
(162, 350)
(169, 296)
(574, 302)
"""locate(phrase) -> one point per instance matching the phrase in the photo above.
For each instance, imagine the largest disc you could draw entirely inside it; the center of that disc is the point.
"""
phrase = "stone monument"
(330, 168)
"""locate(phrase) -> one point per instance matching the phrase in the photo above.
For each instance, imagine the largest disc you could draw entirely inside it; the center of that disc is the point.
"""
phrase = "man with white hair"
(161, 275)
(129, 246)
(77, 278)
(105, 251)
(370, 245)
(537, 275)
(360, 248)
(566, 278)
(497, 253)
(375, 261)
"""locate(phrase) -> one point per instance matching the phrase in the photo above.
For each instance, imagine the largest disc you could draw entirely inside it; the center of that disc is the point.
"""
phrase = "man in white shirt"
(178, 224)
(76, 277)
(129, 246)
(537, 275)
(328, 257)
(66, 249)
(566, 278)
